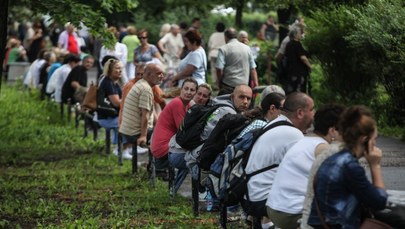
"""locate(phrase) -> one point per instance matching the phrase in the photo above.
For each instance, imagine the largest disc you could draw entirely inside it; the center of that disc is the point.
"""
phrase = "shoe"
(141, 150)
(126, 155)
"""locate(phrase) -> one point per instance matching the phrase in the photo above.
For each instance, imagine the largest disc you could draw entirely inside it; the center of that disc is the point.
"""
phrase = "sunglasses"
(143, 37)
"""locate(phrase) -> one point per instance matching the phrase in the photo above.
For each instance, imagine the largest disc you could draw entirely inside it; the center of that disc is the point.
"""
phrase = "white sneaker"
(202, 197)
(141, 150)
(126, 155)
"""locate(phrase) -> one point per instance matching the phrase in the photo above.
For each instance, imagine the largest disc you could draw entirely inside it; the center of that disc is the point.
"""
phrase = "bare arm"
(305, 60)
(253, 74)
(220, 75)
(188, 71)
(144, 127)
(115, 100)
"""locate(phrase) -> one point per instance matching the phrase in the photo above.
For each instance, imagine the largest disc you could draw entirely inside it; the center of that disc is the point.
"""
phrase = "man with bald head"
(138, 108)
(235, 64)
(270, 148)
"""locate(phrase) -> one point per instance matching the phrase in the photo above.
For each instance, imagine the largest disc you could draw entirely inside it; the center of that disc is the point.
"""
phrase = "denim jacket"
(341, 188)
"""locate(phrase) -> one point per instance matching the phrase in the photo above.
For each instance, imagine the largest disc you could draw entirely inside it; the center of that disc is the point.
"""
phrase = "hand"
(141, 141)
(374, 154)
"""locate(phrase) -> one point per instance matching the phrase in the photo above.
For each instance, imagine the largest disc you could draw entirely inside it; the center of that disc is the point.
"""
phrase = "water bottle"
(210, 201)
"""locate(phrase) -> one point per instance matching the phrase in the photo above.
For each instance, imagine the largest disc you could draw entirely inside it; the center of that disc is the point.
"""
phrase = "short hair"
(71, 58)
(326, 117)
(194, 37)
(295, 101)
(142, 31)
(242, 33)
(355, 122)
(271, 89)
(195, 19)
(220, 27)
(131, 30)
(230, 33)
(183, 25)
(293, 32)
(271, 99)
(190, 80)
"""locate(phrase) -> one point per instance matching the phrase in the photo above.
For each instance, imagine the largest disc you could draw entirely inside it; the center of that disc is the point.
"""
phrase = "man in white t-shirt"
(271, 147)
(172, 45)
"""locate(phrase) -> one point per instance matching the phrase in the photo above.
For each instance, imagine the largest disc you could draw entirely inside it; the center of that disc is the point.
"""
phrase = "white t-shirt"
(198, 59)
(289, 187)
(57, 80)
(269, 149)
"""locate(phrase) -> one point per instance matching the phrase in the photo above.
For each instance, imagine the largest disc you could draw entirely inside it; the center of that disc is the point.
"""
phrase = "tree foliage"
(89, 12)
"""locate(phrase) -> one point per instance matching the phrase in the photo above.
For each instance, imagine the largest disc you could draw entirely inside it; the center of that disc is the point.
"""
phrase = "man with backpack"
(270, 148)
(237, 102)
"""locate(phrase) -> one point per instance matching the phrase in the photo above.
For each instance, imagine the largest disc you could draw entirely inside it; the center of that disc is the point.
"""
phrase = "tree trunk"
(3, 34)
(239, 12)
(284, 16)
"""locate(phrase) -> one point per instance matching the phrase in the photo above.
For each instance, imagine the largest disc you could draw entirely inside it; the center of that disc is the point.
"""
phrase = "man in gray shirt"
(235, 64)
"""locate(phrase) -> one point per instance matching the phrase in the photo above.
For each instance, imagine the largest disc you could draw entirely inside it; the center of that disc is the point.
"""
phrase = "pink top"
(167, 125)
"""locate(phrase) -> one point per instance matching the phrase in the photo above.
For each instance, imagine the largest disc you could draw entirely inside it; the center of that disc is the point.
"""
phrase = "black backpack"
(227, 128)
(189, 134)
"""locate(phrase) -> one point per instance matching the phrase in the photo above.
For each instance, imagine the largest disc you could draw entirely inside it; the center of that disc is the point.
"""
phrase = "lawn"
(52, 177)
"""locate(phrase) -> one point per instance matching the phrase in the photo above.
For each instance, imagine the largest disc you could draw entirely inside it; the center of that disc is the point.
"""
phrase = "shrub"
(343, 67)
(379, 40)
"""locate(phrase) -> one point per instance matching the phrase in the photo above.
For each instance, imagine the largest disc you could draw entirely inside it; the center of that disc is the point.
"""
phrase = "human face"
(202, 96)
(143, 38)
(188, 91)
(309, 112)
(157, 75)
(244, 39)
(241, 98)
(88, 63)
(139, 72)
(187, 43)
(116, 70)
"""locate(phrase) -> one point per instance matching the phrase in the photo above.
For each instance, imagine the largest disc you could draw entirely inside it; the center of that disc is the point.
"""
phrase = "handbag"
(104, 106)
(90, 99)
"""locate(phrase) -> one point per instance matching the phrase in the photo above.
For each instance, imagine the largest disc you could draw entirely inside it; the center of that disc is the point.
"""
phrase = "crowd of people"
(318, 181)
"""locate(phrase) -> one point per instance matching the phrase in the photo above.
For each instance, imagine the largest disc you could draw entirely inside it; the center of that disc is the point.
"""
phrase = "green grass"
(53, 178)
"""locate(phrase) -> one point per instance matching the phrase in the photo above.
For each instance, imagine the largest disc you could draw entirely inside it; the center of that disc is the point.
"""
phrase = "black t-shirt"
(293, 52)
(110, 88)
(79, 74)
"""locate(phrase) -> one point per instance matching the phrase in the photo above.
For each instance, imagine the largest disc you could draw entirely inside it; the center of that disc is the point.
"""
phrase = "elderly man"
(69, 40)
(235, 64)
(172, 45)
(138, 108)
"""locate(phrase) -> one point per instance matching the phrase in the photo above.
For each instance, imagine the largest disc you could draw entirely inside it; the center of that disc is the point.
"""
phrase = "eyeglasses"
(143, 37)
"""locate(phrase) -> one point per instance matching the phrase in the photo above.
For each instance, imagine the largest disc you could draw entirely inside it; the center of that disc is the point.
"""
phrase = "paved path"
(393, 165)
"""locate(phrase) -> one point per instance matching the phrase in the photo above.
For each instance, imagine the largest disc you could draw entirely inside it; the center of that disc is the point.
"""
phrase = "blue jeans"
(110, 123)
(176, 160)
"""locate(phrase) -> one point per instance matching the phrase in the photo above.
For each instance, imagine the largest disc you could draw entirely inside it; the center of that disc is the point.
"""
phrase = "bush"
(379, 40)
(343, 68)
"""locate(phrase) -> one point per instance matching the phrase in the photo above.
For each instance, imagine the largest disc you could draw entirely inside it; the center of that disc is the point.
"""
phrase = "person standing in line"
(216, 40)
(195, 63)
(132, 42)
(172, 45)
(235, 64)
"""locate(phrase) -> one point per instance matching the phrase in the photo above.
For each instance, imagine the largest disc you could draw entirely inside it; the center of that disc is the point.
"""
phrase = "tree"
(3, 34)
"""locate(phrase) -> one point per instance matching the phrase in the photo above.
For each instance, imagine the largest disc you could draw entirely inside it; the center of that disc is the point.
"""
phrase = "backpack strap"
(261, 170)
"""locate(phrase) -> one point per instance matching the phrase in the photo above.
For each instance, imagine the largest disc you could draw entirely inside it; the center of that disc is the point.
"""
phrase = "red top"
(166, 127)
(72, 44)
